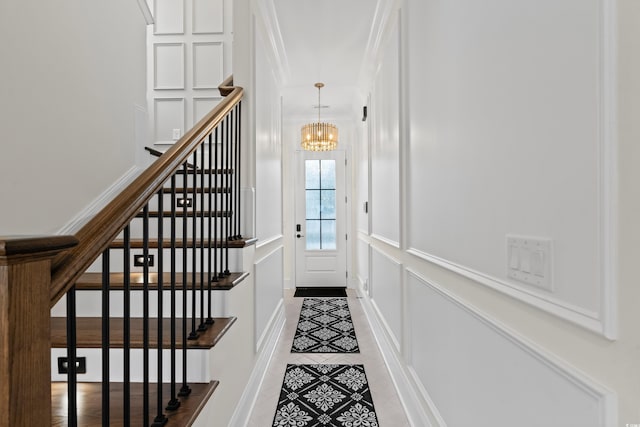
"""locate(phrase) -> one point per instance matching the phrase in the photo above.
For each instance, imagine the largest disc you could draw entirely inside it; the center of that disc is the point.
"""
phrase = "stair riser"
(89, 304)
(219, 198)
(117, 261)
(136, 229)
(198, 369)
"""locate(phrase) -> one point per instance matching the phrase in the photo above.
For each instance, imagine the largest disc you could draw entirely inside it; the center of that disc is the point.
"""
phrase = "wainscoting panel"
(168, 16)
(385, 146)
(208, 16)
(207, 65)
(386, 292)
(169, 66)
(269, 277)
(170, 114)
(463, 359)
(362, 264)
(189, 54)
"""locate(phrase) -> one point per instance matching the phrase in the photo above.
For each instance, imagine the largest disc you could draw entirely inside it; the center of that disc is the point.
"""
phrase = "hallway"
(389, 410)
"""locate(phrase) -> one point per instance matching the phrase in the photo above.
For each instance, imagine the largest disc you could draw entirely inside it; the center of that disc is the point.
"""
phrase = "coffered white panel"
(169, 66)
(170, 115)
(207, 65)
(208, 16)
(168, 16)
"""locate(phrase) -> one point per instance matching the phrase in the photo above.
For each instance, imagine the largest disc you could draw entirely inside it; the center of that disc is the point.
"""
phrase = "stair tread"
(89, 332)
(93, 281)
(90, 394)
(153, 243)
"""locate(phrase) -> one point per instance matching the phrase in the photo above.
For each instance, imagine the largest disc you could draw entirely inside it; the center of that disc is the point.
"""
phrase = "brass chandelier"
(319, 136)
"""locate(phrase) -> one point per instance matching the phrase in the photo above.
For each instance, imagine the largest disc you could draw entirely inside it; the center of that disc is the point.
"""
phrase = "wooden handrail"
(101, 230)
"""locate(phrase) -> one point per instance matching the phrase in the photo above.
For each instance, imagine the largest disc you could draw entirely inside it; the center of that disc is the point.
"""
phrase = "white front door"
(321, 246)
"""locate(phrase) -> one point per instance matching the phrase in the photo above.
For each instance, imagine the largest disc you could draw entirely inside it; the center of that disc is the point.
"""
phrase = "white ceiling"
(323, 41)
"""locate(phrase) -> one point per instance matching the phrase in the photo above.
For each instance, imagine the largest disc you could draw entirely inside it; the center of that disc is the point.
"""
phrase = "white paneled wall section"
(482, 127)
(268, 144)
(189, 55)
(385, 145)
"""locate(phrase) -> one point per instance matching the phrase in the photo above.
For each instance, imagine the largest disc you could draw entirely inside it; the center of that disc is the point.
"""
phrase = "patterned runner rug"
(325, 395)
(325, 326)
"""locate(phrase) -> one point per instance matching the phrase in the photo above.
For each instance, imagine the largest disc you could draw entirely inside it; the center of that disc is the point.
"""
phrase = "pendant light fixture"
(319, 136)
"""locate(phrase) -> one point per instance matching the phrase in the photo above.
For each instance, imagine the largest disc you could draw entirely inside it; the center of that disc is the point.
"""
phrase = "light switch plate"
(530, 260)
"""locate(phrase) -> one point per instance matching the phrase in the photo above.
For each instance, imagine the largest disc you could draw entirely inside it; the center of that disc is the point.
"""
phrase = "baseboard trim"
(76, 223)
(410, 399)
(243, 410)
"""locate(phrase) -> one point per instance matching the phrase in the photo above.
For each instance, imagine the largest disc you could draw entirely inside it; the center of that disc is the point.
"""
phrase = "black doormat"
(325, 395)
(325, 326)
(321, 292)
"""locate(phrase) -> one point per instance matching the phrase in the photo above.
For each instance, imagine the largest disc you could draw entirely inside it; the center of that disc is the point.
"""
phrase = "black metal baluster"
(194, 246)
(174, 403)
(211, 214)
(239, 171)
(106, 334)
(185, 390)
(145, 316)
(227, 213)
(203, 326)
(234, 131)
(126, 395)
(160, 419)
(238, 234)
(217, 190)
(72, 376)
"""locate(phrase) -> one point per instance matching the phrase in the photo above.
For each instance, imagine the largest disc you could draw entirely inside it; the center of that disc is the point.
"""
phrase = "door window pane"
(312, 174)
(313, 235)
(313, 204)
(328, 174)
(320, 196)
(328, 234)
(328, 204)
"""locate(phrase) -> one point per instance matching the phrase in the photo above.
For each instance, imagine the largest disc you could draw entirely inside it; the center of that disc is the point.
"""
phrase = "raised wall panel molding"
(586, 319)
(386, 240)
(268, 280)
(169, 17)
(169, 65)
(386, 290)
(406, 388)
(169, 114)
(208, 67)
(609, 169)
(208, 16)
(482, 329)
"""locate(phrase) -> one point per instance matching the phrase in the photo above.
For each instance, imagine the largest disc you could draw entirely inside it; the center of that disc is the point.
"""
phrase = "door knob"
(299, 235)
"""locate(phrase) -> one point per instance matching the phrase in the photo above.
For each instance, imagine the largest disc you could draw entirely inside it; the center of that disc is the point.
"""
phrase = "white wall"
(509, 129)
(70, 87)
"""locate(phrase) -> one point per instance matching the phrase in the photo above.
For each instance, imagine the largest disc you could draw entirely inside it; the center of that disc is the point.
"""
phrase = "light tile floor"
(388, 407)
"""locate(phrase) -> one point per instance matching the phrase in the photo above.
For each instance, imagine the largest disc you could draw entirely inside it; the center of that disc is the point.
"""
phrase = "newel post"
(25, 341)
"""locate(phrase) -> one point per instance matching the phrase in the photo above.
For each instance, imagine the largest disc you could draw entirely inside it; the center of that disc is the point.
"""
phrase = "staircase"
(138, 296)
